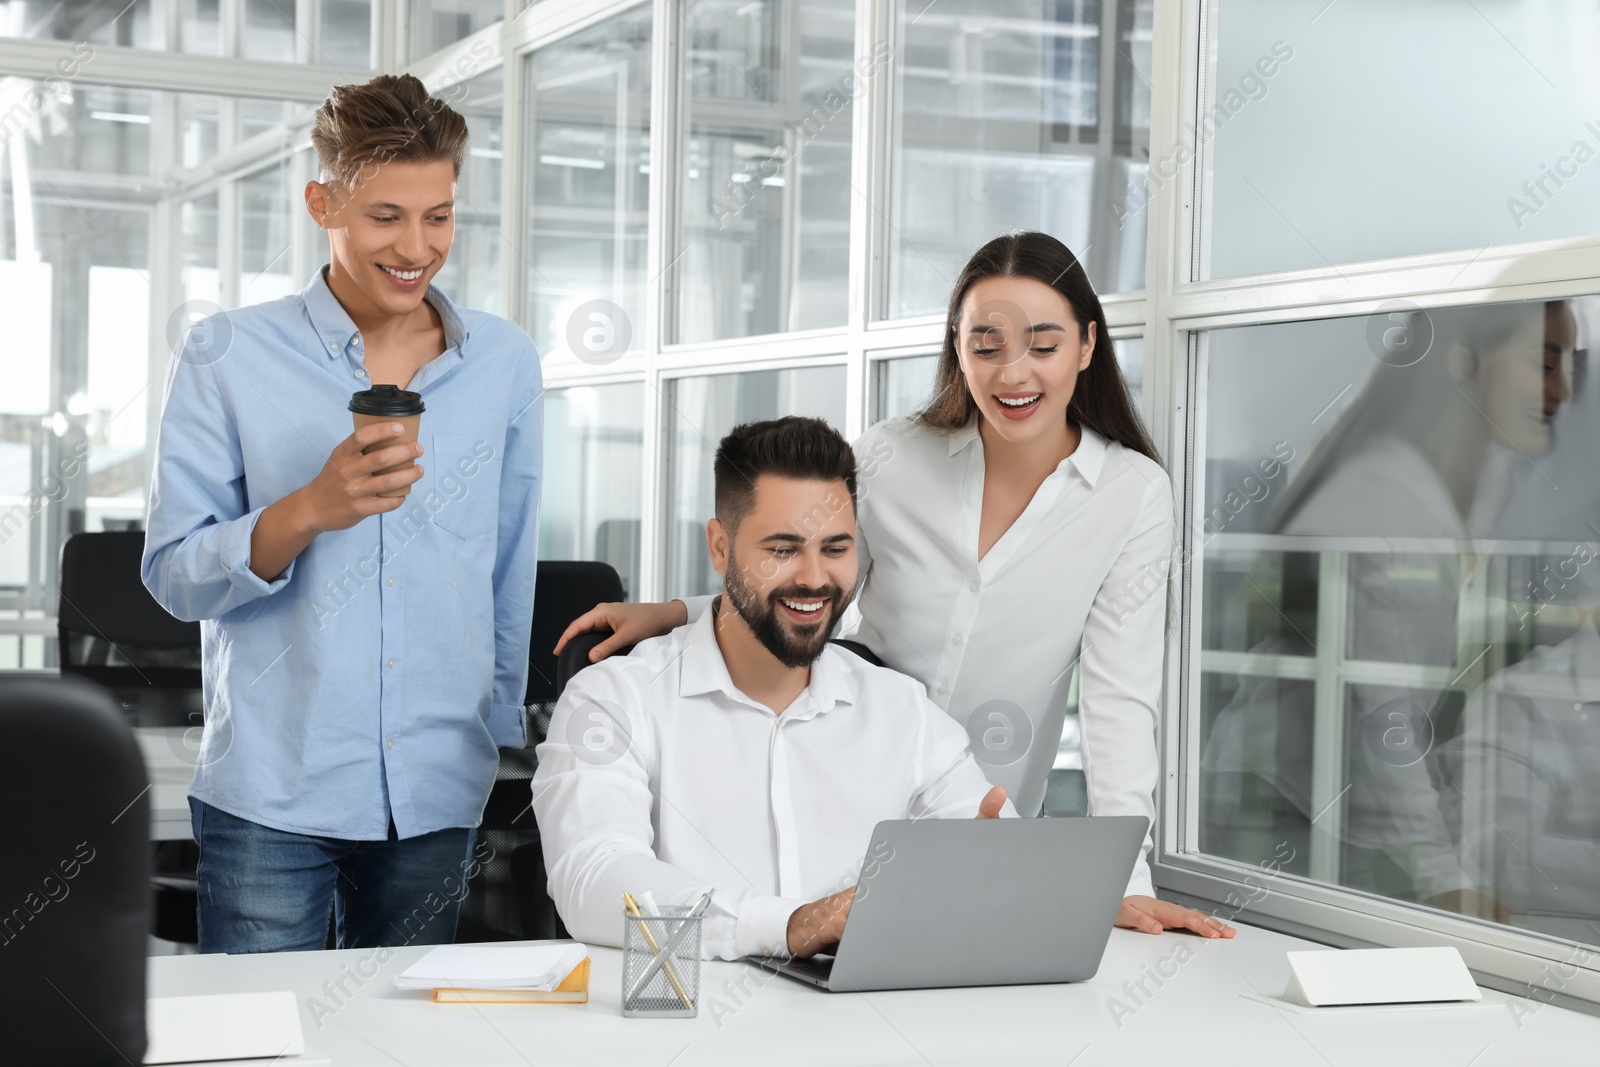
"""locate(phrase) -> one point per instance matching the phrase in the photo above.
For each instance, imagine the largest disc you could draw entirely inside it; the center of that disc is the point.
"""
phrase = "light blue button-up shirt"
(375, 677)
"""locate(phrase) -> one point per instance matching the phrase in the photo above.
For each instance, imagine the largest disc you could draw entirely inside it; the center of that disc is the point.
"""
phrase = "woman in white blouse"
(1017, 526)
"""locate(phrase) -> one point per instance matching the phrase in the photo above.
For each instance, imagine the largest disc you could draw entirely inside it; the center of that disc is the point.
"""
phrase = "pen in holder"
(661, 964)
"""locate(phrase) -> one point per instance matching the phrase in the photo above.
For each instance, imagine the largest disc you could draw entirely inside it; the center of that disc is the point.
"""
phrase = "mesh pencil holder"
(661, 980)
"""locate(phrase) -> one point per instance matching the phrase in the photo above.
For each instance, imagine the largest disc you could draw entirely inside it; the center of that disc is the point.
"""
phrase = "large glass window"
(1016, 114)
(590, 500)
(1484, 137)
(902, 386)
(700, 412)
(329, 33)
(84, 180)
(471, 276)
(764, 227)
(1398, 663)
(438, 23)
(588, 165)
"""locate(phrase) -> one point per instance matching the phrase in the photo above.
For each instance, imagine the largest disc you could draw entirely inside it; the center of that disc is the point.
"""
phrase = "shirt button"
(389, 743)
(956, 639)
(360, 373)
(943, 688)
(391, 583)
(973, 587)
(391, 661)
(332, 346)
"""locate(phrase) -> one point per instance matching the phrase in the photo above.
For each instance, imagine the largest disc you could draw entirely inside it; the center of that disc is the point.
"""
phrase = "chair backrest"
(859, 649)
(575, 657)
(112, 631)
(75, 881)
(563, 590)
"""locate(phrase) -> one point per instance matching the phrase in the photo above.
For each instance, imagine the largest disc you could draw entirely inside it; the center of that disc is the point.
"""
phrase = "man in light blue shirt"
(364, 655)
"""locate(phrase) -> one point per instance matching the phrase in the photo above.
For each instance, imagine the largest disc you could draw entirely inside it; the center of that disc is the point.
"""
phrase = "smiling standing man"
(364, 654)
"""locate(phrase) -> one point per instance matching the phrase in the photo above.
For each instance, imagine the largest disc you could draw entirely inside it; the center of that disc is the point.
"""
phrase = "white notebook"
(224, 1026)
(539, 967)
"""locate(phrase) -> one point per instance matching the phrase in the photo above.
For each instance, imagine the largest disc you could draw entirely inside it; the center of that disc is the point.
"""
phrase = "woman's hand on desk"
(629, 623)
(1153, 916)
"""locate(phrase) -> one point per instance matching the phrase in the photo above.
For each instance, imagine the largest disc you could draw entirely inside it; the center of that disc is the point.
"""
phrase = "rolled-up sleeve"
(517, 551)
(197, 545)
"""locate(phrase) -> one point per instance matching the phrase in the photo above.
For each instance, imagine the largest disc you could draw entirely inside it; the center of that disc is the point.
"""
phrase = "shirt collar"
(1089, 458)
(705, 671)
(336, 329)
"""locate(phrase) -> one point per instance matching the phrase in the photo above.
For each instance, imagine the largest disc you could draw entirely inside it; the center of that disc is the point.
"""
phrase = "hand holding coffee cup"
(368, 473)
(390, 403)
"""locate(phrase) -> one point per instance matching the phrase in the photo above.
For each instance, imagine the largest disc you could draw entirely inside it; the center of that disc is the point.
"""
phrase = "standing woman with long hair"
(1018, 526)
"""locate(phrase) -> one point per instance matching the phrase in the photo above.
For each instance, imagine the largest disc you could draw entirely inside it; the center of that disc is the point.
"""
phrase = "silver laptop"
(970, 902)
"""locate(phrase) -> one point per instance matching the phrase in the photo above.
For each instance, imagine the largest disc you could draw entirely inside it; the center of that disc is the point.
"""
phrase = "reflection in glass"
(701, 411)
(1398, 606)
(588, 167)
(1499, 155)
(590, 500)
(1017, 114)
(765, 189)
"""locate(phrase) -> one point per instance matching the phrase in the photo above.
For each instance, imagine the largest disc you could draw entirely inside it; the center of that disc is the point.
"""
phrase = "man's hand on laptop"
(817, 926)
(1153, 916)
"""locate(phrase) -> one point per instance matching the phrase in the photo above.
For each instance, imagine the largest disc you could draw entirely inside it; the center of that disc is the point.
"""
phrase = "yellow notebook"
(574, 989)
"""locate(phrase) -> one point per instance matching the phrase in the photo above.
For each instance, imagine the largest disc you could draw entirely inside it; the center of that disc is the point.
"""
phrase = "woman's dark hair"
(1100, 401)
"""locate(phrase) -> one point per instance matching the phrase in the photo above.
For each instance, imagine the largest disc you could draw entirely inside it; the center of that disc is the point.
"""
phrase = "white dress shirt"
(659, 774)
(1079, 578)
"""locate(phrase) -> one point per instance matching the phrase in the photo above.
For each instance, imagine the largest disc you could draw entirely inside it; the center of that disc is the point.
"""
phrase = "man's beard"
(788, 648)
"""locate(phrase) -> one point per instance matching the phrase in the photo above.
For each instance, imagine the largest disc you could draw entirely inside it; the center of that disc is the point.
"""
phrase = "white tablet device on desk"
(969, 902)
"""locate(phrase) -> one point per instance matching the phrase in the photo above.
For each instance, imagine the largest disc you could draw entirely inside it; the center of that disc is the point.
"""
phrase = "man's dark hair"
(790, 447)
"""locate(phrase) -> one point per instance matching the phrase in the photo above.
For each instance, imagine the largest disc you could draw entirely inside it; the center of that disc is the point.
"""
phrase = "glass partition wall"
(1359, 335)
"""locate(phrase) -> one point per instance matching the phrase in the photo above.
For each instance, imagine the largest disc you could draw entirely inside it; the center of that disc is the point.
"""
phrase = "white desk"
(1196, 1016)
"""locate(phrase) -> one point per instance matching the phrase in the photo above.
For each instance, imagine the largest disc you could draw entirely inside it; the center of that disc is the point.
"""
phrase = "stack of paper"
(524, 973)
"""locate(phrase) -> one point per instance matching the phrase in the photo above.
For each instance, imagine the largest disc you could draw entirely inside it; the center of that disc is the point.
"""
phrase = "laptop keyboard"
(819, 968)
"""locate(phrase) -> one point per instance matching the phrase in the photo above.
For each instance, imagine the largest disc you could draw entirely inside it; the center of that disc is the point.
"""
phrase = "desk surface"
(1196, 1015)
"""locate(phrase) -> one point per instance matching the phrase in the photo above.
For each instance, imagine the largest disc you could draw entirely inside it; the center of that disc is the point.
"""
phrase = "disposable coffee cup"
(389, 403)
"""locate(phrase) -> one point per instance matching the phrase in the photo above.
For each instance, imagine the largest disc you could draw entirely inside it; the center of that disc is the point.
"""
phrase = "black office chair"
(565, 591)
(113, 633)
(75, 879)
(508, 899)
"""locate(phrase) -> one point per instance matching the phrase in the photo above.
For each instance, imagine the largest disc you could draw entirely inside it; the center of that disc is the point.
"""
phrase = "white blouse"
(1079, 579)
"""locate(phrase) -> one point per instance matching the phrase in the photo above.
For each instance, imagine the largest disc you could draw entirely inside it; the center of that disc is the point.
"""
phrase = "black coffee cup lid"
(386, 400)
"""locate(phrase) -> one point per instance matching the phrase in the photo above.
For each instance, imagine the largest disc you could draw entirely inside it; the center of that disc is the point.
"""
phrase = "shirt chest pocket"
(465, 472)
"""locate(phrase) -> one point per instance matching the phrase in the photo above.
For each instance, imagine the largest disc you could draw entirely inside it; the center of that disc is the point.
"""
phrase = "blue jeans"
(266, 890)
